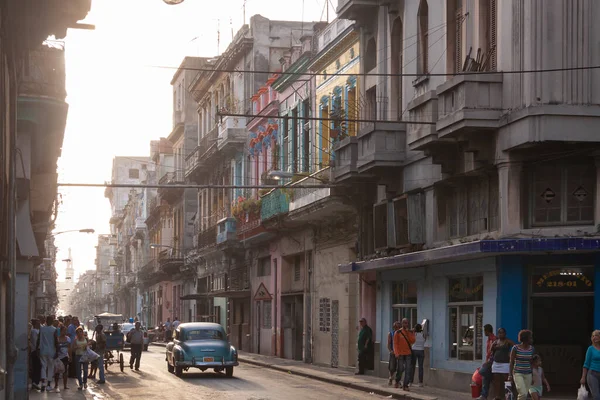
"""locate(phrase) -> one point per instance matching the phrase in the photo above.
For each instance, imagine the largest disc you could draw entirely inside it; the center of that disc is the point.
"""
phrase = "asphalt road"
(248, 383)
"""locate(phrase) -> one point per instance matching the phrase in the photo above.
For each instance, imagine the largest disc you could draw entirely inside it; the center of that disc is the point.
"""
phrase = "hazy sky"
(119, 101)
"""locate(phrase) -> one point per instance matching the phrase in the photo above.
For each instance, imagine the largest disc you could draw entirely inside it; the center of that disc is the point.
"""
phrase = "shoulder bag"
(407, 342)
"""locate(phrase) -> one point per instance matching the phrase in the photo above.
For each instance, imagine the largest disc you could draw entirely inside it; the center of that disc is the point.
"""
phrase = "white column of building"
(509, 177)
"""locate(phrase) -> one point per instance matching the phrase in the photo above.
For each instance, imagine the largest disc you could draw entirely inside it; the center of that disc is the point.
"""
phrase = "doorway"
(562, 326)
(293, 324)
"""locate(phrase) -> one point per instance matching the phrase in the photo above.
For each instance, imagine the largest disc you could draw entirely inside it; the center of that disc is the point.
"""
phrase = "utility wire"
(194, 186)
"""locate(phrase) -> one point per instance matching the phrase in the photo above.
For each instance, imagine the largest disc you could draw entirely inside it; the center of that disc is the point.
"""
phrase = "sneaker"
(101, 382)
(36, 386)
(49, 388)
(130, 366)
(79, 388)
(137, 369)
(56, 390)
(396, 385)
(43, 389)
(390, 382)
(85, 385)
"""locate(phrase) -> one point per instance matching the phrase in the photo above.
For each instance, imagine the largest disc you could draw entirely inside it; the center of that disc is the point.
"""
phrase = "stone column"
(509, 178)
(431, 222)
(597, 195)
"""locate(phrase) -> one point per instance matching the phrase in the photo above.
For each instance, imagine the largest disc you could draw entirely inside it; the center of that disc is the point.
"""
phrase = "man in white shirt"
(48, 352)
(176, 323)
(34, 355)
(136, 338)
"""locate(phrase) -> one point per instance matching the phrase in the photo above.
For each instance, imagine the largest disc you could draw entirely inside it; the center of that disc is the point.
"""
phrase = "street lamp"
(87, 230)
(173, 2)
(278, 175)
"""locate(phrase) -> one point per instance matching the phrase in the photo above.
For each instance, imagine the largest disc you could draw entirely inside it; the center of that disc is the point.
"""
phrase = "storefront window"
(465, 308)
(404, 301)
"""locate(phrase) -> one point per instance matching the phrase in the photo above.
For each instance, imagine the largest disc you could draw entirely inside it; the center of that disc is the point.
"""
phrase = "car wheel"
(229, 372)
(178, 371)
(170, 368)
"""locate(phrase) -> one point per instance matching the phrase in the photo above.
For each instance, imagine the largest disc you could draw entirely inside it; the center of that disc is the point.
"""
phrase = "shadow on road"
(213, 379)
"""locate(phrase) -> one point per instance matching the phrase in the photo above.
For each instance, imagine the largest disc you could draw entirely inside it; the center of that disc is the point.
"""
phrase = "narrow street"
(248, 383)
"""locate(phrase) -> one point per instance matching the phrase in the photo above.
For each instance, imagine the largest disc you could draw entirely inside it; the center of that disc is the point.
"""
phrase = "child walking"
(538, 378)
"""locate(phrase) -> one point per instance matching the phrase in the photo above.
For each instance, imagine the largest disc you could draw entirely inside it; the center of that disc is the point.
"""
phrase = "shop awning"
(194, 296)
(25, 237)
(481, 248)
(231, 294)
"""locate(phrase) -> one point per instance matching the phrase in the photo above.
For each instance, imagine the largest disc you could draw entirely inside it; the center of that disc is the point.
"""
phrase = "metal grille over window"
(297, 269)
(267, 320)
(324, 314)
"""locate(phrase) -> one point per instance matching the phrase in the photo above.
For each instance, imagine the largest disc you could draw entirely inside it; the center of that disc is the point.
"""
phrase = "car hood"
(206, 347)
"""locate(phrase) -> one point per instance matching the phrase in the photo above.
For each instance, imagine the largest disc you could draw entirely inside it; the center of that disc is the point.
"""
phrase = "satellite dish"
(173, 2)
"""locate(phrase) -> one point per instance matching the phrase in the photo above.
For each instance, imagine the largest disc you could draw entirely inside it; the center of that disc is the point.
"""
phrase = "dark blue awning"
(481, 248)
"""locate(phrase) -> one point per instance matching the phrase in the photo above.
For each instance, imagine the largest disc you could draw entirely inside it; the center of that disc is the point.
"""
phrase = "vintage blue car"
(201, 345)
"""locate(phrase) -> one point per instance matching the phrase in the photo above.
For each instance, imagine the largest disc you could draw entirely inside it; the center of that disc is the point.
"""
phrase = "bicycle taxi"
(115, 339)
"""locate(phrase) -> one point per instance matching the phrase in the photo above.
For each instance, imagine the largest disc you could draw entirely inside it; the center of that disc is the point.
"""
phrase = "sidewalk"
(345, 377)
(93, 392)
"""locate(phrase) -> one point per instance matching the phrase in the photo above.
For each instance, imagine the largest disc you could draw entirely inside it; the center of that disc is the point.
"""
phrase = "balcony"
(345, 157)
(469, 103)
(234, 284)
(424, 108)
(198, 159)
(381, 145)
(355, 9)
(44, 74)
(226, 230)
(171, 178)
(232, 135)
(140, 226)
(274, 203)
(207, 238)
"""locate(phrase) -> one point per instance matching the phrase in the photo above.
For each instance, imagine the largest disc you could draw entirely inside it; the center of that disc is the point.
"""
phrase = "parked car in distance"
(202, 345)
(126, 327)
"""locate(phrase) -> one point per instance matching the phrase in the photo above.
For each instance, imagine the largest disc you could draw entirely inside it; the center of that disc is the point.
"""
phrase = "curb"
(362, 387)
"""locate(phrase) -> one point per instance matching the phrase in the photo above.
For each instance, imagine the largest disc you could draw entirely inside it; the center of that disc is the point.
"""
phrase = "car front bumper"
(202, 364)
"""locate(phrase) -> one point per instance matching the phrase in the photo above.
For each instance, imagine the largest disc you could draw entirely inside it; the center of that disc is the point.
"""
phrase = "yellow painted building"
(336, 92)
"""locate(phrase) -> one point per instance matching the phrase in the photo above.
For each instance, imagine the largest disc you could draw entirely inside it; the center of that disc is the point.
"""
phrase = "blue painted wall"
(512, 298)
(597, 291)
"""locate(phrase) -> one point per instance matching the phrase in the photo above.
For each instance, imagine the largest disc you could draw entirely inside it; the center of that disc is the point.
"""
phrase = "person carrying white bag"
(82, 357)
(591, 368)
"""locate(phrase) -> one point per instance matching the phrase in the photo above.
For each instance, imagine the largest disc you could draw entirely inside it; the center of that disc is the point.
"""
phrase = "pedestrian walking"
(501, 349)
(591, 366)
(538, 380)
(392, 363)
(79, 347)
(486, 368)
(100, 350)
(418, 355)
(72, 333)
(136, 338)
(520, 364)
(48, 344)
(168, 332)
(365, 340)
(34, 354)
(64, 355)
(403, 341)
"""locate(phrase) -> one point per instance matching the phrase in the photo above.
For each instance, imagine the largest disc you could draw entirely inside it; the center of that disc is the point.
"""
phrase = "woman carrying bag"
(79, 348)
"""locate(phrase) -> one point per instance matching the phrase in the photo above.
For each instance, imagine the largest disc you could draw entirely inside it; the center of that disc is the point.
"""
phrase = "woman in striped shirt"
(520, 364)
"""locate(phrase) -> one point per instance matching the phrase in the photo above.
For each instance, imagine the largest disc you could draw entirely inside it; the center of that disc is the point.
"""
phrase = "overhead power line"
(306, 73)
(194, 186)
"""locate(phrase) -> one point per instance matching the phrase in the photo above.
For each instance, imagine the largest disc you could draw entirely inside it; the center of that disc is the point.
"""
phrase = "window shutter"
(493, 34)
(299, 138)
(458, 36)
(290, 145)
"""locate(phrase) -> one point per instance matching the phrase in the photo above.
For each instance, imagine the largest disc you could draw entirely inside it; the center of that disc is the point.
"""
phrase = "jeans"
(593, 381)
(136, 355)
(403, 366)
(523, 384)
(81, 369)
(486, 372)
(417, 356)
(47, 368)
(101, 365)
(362, 361)
(36, 367)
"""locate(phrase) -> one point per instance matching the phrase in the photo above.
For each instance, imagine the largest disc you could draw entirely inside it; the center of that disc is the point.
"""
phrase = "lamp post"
(86, 230)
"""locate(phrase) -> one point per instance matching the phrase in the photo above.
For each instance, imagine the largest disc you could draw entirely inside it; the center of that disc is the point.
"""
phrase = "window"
(267, 320)
(264, 267)
(134, 173)
(371, 55)
(306, 150)
(454, 35)
(404, 301)
(324, 314)
(423, 38)
(297, 269)
(203, 334)
(465, 309)
(562, 194)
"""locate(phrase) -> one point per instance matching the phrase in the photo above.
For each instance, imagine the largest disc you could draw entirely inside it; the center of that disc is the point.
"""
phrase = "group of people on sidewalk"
(59, 347)
(56, 346)
(406, 347)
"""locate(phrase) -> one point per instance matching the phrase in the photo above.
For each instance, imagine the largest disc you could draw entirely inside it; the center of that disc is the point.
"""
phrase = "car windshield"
(127, 327)
(202, 334)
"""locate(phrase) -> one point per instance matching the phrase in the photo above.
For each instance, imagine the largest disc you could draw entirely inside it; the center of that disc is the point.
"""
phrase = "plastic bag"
(508, 391)
(91, 355)
(582, 393)
(59, 367)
